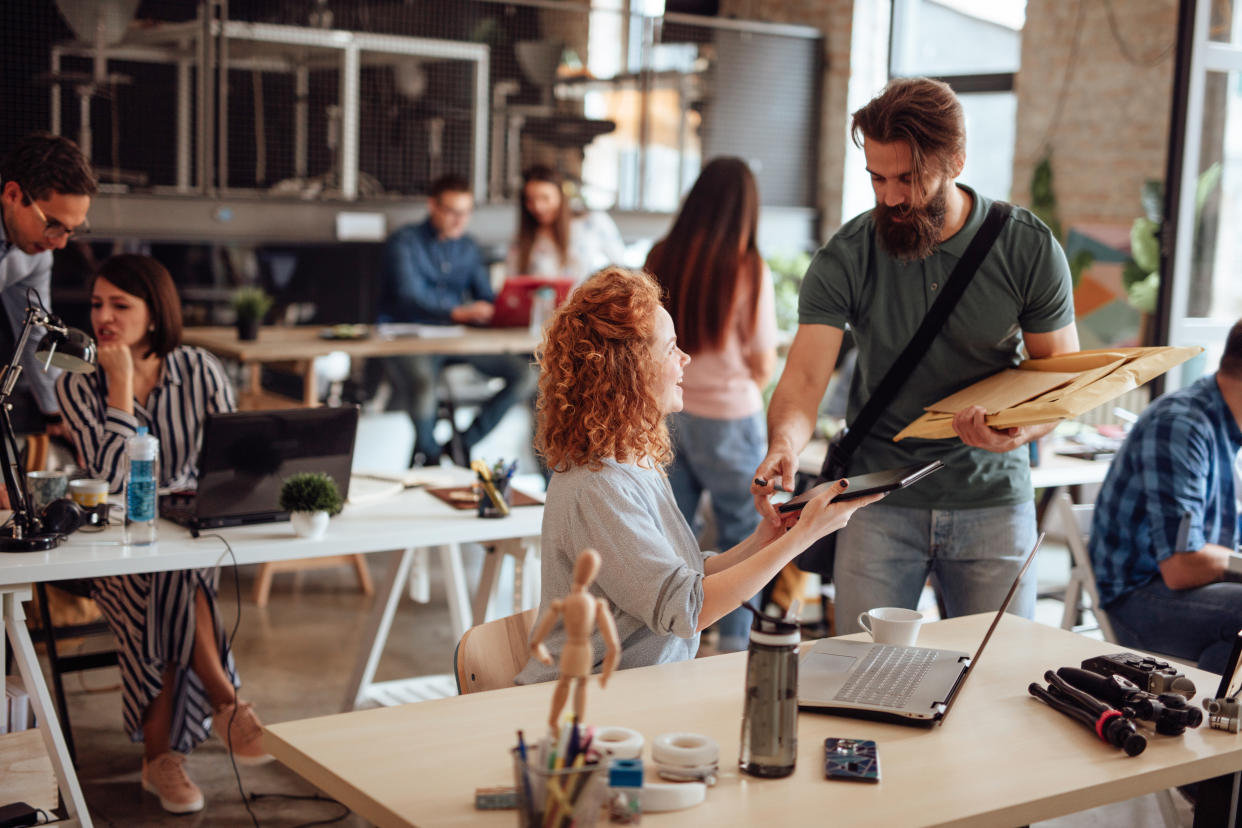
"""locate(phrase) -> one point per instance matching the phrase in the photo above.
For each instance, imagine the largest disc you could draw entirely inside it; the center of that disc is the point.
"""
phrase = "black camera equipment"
(1108, 724)
(1169, 712)
(1150, 674)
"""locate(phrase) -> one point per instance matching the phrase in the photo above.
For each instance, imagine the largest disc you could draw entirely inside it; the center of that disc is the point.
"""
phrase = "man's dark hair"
(1231, 360)
(922, 113)
(451, 183)
(43, 163)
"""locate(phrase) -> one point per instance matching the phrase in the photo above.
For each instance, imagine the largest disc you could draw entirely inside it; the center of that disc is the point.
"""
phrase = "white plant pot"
(309, 524)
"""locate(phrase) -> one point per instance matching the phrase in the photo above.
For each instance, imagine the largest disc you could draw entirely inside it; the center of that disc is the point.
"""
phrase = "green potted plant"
(310, 498)
(250, 304)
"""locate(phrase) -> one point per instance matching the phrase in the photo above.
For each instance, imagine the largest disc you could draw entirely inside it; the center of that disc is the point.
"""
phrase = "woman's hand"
(116, 361)
(822, 516)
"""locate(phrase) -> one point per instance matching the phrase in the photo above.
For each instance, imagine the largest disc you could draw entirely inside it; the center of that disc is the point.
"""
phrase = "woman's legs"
(205, 661)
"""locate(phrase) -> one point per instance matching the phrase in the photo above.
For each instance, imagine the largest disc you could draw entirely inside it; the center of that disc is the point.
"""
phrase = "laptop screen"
(247, 455)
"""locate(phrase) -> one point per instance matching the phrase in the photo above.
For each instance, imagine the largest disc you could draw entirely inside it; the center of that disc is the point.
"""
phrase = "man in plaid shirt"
(1168, 518)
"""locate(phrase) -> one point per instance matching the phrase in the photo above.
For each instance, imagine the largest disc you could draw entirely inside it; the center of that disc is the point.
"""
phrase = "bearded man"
(971, 526)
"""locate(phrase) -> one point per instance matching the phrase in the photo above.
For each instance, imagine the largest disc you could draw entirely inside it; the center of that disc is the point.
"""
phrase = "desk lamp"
(63, 347)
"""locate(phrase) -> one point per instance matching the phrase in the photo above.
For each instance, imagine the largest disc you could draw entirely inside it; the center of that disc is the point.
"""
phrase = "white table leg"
(381, 622)
(455, 587)
(32, 676)
(420, 577)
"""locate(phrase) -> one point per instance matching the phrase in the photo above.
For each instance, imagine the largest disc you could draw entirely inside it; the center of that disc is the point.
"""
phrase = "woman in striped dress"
(177, 674)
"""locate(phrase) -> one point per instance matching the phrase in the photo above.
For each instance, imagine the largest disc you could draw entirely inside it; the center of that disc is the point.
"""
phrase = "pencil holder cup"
(554, 798)
(488, 509)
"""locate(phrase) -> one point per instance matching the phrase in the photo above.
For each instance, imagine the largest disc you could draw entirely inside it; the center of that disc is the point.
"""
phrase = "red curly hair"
(598, 376)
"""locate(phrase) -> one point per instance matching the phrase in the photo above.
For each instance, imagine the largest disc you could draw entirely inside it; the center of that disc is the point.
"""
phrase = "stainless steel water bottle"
(770, 711)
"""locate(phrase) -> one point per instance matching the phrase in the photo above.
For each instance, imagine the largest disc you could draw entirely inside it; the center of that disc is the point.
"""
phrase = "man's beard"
(917, 233)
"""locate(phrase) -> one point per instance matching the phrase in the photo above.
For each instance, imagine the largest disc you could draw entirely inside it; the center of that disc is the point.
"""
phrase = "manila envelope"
(1050, 389)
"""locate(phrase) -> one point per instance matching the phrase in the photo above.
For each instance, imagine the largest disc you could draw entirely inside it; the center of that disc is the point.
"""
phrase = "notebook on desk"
(907, 685)
(247, 455)
(512, 306)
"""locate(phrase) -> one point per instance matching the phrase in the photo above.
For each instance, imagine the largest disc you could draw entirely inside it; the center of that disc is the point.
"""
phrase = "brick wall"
(835, 19)
(1112, 132)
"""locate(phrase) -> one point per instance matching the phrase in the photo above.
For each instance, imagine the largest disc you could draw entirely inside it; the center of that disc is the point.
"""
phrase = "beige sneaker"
(247, 732)
(164, 777)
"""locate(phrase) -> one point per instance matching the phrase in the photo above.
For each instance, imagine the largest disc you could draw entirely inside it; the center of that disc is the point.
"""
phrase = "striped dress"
(152, 614)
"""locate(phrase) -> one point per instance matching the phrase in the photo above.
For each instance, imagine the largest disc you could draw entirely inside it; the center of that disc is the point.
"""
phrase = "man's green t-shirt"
(1022, 285)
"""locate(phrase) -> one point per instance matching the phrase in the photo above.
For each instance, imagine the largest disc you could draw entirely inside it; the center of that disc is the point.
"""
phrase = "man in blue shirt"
(1167, 520)
(434, 274)
(46, 185)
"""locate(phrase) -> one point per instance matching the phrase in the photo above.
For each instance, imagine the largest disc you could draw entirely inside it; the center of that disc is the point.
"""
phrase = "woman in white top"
(177, 673)
(551, 242)
(719, 293)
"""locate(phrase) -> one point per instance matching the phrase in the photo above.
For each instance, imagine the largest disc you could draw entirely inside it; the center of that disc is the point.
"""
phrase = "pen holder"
(487, 508)
(555, 798)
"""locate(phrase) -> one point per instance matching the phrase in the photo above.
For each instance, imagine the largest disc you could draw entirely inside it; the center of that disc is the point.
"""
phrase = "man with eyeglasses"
(46, 185)
(435, 275)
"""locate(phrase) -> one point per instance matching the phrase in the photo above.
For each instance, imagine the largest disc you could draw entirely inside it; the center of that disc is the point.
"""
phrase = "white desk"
(1001, 758)
(409, 521)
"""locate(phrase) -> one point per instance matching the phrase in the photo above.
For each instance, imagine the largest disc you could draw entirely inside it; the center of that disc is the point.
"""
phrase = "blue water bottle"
(141, 484)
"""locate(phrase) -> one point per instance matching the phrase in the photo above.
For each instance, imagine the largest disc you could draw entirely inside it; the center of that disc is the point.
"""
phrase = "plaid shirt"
(1170, 489)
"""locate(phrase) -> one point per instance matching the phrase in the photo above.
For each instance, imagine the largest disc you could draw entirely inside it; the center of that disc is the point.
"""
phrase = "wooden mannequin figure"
(582, 611)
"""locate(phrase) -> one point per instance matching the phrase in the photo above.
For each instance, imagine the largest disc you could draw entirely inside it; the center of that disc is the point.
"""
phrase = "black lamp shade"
(72, 351)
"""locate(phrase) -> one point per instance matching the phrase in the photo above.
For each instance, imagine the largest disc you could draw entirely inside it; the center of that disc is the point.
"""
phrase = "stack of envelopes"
(1051, 389)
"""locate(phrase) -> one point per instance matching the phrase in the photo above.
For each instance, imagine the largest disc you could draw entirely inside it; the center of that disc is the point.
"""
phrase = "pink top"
(718, 384)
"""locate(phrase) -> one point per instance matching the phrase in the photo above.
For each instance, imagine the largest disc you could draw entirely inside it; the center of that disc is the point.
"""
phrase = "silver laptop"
(906, 685)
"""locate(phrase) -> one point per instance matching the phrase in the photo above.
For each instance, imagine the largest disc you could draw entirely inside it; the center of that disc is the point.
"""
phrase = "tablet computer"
(865, 484)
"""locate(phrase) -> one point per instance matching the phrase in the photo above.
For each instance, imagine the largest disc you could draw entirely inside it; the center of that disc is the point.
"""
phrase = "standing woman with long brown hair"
(719, 293)
(551, 240)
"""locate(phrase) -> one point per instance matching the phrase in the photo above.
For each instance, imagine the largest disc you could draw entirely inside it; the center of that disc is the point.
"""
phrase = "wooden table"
(408, 521)
(1001, 758)
(300, 345)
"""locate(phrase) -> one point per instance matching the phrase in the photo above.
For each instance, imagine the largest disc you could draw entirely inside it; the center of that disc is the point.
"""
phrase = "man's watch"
(54, 418)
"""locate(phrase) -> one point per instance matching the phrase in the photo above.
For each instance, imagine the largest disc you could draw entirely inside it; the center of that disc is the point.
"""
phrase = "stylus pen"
(759, 481)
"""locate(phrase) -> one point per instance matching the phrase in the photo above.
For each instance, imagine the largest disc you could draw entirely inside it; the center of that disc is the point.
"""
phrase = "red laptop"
(513, 302)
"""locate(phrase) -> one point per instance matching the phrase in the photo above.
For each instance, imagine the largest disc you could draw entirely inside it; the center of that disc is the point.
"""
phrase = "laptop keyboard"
(887, 676)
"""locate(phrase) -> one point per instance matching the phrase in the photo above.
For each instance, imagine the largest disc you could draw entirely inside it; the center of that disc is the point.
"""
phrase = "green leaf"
(1145, 244)
(1143, 294)
(1132, 274)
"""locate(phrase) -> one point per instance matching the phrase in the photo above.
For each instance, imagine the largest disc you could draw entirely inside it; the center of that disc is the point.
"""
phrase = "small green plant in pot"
(310, 498)
(250, 304)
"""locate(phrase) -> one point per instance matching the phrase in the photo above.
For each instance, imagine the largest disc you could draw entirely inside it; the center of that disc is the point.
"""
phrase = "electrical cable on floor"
(228, 646)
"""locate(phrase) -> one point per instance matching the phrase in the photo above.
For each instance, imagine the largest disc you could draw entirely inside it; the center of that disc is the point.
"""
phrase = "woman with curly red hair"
(610, 374)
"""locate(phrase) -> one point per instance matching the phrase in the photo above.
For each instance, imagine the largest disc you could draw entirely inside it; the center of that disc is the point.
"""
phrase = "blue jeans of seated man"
(413, 380)
(1198, 624)
(886, 553)
(719, 457)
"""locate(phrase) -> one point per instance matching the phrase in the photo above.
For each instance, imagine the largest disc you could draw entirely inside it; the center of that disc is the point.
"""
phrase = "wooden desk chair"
(490, 655)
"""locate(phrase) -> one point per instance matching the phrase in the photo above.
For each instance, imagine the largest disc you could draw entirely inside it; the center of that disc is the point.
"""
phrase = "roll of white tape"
(618, 742)
(685, 750)
(665, 796)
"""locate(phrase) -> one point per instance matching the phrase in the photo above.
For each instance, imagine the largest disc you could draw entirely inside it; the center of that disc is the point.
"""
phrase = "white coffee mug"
(892, 625)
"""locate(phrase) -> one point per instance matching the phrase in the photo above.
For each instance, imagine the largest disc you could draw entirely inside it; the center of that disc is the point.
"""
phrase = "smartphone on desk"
(865, 484)
(854, 760)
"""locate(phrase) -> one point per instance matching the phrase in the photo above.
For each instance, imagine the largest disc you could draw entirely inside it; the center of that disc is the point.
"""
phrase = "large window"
(927, 40)
(1205, 294)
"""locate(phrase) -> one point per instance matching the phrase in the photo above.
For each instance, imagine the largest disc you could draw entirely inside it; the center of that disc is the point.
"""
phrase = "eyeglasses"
(53, 230)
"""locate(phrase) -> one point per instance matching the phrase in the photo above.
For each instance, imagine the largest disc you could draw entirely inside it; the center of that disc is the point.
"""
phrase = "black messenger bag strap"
(905, 364)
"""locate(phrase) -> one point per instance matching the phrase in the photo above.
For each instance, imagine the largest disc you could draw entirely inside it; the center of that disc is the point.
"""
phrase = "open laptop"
(512, 306)
(246, 456)
(907, 685)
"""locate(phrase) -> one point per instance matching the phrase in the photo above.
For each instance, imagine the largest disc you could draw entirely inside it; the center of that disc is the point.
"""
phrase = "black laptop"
(247, 455)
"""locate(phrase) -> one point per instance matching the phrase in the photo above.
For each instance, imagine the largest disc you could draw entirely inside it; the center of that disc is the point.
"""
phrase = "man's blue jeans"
(1197, 624)
(886, 553)
(719, 457)
(413, 380)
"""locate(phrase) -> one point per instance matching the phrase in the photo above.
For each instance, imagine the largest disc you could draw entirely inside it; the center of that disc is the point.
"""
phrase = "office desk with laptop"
(1002, 758)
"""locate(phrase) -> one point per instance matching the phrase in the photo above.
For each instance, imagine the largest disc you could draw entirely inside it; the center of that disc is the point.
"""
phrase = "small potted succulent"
(250, 304)
(310, 498)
